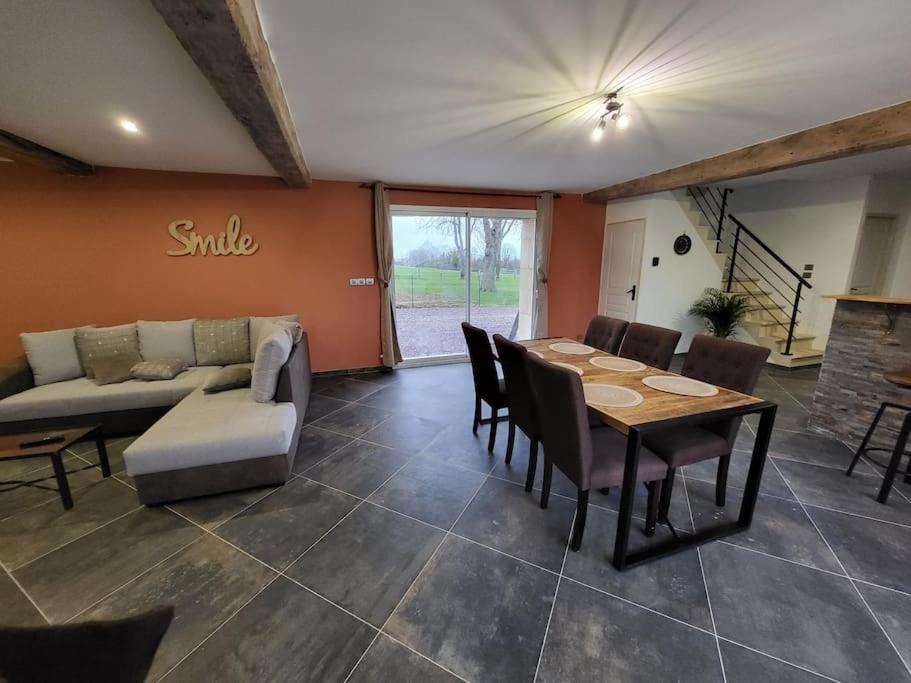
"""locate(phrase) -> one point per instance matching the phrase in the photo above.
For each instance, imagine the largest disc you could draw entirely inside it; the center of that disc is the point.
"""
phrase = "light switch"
(361, 281)
(352, 281)
(371, 281)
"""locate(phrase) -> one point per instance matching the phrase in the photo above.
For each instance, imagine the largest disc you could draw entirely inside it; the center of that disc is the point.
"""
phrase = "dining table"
(659, 410)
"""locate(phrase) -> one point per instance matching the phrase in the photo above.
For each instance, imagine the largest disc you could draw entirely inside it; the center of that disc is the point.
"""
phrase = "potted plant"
(721, 312)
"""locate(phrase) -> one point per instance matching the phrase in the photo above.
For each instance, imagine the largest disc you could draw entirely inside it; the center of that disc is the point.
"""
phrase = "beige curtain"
(543, 228)
(382, 220)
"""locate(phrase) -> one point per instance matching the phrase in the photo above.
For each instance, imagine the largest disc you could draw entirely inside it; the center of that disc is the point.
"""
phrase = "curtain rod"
(478, 193)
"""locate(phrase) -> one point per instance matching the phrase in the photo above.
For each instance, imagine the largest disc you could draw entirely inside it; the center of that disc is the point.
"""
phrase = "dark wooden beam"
(876, 130)
(28, 152)
(225, 39)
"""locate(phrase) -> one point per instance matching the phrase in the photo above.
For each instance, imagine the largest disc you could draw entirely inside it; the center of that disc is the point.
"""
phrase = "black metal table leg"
(60, 474)
(102, 453)
(895, 460)
(757, 463)
(627, 498)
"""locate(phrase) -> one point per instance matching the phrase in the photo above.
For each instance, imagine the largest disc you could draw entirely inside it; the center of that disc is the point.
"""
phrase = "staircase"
(747, 266)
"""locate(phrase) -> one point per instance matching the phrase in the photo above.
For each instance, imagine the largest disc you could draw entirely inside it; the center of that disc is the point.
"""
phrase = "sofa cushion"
(93, 343)
(229, 377)
(259, 323)
(168, 339)
(157, 370)
(81, 396)
(271, 355)
(52, 355)
(112, 370)
(207, 429)
(222, 342)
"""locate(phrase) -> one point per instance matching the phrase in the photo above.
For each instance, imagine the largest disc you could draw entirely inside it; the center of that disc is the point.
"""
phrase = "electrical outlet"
(352, 281)
(361, 281)
(371, 281)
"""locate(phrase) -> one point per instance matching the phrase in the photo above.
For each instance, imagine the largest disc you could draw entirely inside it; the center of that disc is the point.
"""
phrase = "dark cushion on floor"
(687, 444)
(609, 458)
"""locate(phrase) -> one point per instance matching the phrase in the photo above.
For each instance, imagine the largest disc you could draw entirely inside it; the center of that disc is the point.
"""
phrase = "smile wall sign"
(228, 243)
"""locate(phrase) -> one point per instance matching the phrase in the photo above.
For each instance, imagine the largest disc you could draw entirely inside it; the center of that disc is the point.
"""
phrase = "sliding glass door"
(460, 264)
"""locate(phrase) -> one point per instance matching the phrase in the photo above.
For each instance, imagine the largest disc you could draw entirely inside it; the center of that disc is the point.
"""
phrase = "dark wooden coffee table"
(11, 448)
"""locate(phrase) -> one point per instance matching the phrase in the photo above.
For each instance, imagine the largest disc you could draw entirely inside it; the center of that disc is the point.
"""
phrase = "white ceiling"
(498, 93)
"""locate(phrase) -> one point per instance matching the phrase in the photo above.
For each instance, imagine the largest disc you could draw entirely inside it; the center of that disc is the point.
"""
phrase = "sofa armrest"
(15, 377)
(294, 379)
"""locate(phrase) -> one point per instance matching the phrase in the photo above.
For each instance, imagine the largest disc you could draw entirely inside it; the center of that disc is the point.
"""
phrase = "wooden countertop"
(868, 298)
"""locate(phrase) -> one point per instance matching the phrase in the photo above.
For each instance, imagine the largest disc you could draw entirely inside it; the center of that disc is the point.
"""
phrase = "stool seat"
(901, 377)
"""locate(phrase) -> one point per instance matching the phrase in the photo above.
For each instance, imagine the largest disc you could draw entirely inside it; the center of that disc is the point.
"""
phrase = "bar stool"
(900, 378)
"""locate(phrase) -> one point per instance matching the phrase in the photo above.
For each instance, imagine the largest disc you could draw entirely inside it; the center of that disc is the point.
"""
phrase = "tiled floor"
(401, 551)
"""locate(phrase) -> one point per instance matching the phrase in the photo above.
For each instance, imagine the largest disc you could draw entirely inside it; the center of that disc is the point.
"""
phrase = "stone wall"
(851, 384)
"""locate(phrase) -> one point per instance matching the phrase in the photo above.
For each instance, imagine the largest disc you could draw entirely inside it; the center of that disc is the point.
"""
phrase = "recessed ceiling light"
(5, 160)
(129, 126)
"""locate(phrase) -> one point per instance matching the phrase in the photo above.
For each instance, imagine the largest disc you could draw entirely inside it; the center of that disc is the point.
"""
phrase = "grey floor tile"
(780, 527)
(873, 551)
(285, 633)
(39, 530)
(456, 445)
(480, 614)
(213, 511)
(348, 389)
(771, 483)
(672, 586)
(353, 420)
(320, 406)
(359, 468)
(439, 402)
(387, 660)
(503, 516)
(593, 636)
(115, 448)
(894, 613)
(15, 500)
(368, 561)
(406, 432)
(15, 608)
(316, 444)
(75, 576)
(434, 493)
(205, 583)
(745, 666)
(813, 449)
(379, 377)
(283, 525)
(679, 512)
(801, 615)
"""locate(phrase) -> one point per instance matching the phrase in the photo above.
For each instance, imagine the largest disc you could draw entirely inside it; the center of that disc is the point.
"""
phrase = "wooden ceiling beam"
(876, 130)
(28, 152)
(225, 39)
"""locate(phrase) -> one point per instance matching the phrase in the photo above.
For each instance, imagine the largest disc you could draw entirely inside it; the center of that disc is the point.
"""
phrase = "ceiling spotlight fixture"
(613, 110)
(129, 126)
(5, 160)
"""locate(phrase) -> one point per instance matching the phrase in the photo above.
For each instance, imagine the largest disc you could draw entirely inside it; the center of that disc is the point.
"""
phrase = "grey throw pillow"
(112, 370)
(107, 343)
(228, 378)
(222, 342)
(164, 368)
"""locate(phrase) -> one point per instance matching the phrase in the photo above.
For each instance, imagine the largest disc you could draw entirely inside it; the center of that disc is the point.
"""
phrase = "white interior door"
(873, 252)
(620, 266)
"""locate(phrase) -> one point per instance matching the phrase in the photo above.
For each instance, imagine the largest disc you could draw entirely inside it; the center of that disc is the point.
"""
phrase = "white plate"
(682, 386)
(567, 366)
(619, 364)
(610, 395)
(536, 353)
(572, 348)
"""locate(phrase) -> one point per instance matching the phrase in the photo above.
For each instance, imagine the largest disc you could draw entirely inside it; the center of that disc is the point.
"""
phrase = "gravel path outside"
(436, 331)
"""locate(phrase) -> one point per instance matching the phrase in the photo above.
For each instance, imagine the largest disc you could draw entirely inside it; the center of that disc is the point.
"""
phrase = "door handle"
(633, 292)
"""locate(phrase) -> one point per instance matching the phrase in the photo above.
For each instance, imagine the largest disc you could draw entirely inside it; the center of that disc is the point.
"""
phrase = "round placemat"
(611, 396)
(572, 348)
(567, 366)
(619, 364)
(682, 386)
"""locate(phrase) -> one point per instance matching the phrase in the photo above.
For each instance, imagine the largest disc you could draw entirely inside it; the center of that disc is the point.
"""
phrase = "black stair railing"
(775, 286)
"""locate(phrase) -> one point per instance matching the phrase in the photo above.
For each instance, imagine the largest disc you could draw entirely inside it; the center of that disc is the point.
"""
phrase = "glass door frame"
(468, 213)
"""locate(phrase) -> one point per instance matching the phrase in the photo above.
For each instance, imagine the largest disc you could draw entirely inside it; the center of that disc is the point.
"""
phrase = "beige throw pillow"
(259, 323)
(52, 355)
(272, 354)
(232, 377)
(107, 343)
(162, 369)
(112, 370)
(222, 342)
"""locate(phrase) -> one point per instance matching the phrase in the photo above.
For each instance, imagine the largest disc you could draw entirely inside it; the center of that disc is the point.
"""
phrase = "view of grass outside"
(417, 286)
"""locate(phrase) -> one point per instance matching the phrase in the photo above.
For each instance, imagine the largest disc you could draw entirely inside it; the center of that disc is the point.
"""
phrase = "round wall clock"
(682, 244)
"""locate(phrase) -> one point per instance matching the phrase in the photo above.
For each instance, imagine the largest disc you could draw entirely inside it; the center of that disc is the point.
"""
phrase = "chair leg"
(510, 441)
(721, 481)
(895, 460)
(532, 465)
(545, 485)
(605, 491)
(651, 510)
(667, 488)
(863, 444)
(493, 430)
(477, 414)
(575, 541)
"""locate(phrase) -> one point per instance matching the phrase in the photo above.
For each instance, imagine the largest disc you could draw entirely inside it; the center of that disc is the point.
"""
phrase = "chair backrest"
(562, 418)
(605, 333)
(649, 344)
(726, 363)
(483, 365)
(513, 360)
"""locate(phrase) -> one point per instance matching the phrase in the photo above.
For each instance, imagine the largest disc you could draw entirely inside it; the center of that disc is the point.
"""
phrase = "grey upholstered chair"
(590, 458)
(725, 363)
(487, 386)
(605, 333)
(649, 344)
(522, 413)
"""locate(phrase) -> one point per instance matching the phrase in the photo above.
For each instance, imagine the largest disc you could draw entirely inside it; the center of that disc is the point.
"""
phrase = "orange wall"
(76, 251)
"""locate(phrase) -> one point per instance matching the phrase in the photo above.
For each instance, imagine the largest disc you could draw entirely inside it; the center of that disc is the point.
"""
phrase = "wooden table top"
(656, 405)
(9, 445)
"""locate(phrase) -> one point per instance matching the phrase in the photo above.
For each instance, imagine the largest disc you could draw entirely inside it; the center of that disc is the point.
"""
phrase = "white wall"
(809, 222)
(891, 196)
(667, 291)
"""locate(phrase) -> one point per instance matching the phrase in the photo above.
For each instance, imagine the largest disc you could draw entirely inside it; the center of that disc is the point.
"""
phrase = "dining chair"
(725, 363)
(487, 386)
(522, 413)
(649, 344)
(605, 333)
(590, 458)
